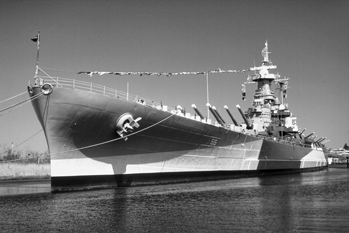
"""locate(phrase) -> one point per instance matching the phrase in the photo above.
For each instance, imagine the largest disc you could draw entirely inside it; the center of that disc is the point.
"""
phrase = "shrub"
(25, 156)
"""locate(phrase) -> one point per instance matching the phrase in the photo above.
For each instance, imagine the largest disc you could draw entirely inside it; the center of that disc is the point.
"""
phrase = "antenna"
(207, 94)
(265, 52)
(254, 65)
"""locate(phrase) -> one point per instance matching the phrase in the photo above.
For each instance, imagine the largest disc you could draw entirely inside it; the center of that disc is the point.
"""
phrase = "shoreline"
(25, 178)
(30, 171)
(338, 165)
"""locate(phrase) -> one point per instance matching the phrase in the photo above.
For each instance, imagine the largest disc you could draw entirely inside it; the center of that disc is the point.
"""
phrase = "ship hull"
(86, 152)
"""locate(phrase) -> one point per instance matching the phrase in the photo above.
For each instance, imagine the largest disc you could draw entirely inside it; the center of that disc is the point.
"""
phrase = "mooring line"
(13, 97)
(19, 104)
(85, 147)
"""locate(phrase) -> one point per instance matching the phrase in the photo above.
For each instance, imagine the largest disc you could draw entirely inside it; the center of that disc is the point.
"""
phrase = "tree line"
(23, 156)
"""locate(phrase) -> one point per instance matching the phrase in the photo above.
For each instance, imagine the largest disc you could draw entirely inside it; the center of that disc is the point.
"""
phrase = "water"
(308, 202)
(24, 187)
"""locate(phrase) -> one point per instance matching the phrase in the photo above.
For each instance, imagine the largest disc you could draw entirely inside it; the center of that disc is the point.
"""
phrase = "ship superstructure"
(269, 114)
(101, 137)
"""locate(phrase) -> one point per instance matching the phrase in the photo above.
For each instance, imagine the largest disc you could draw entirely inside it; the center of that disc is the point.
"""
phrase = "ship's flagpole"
(37, 39)
(208, 99)
(127, 91)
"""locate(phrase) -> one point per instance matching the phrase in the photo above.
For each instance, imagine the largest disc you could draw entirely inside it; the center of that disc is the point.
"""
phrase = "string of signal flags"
(167, 74)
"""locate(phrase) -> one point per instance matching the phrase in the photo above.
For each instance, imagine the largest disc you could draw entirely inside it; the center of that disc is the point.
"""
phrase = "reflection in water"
(308, 202)
(24, 187)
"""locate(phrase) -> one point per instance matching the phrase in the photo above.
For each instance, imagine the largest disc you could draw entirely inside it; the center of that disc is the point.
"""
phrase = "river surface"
(307, 202)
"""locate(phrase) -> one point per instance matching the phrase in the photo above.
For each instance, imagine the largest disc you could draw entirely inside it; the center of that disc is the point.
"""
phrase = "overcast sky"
(308, 40)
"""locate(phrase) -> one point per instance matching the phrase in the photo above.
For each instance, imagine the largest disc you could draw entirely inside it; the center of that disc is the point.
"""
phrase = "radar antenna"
(265, 53)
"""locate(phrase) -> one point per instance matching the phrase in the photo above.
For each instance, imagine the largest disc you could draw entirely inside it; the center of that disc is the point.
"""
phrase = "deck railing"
(100, 89)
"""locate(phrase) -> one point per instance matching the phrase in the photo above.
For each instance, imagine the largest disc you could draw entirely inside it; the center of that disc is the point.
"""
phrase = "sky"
(308, 41)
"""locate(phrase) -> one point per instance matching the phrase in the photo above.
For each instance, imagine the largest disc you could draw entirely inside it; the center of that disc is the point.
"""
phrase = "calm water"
(308, 202)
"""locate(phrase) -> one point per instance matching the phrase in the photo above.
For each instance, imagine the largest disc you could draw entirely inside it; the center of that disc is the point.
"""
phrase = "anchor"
(126, 124)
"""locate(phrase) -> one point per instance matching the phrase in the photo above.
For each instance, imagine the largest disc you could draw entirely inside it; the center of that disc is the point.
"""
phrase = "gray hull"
(87, 153)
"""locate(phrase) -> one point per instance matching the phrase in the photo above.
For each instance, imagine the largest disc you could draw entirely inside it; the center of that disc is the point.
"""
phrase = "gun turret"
(317, 143)
(301, 133)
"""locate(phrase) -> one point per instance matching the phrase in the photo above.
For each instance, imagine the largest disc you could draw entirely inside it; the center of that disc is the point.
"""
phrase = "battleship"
(99, 137)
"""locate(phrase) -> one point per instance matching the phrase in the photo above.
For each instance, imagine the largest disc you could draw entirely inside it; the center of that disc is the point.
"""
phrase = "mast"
(263, 78)
(265, 52)
(37, 40)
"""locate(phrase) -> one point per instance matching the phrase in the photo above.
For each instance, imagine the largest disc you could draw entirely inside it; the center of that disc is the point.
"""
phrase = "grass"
(17, 171)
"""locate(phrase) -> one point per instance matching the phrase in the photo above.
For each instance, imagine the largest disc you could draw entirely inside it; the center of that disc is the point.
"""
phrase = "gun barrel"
(217, 113)
(309, 135)
(322, 139)
(197, 111)
(319, 140)
(248, 124)
(214, 114)
(231, 116)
